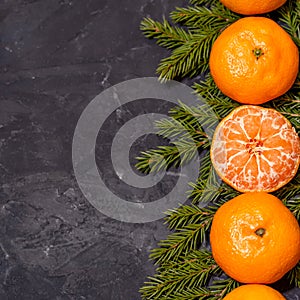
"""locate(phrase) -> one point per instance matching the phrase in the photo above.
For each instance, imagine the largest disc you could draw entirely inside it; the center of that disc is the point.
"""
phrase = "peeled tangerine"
(255, 238)
(254, 292)
(255, 149)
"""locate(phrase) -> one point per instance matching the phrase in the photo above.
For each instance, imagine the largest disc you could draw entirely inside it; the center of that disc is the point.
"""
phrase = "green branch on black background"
(186, 269)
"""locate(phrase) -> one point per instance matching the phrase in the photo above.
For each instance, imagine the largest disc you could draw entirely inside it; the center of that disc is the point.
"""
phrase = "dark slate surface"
(55, 57)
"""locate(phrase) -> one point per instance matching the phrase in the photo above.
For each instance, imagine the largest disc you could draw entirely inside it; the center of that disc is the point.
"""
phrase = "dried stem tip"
(260, 232)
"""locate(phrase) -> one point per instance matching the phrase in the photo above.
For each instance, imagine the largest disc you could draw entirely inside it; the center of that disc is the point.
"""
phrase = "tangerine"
(254, 60)
(252, 7)
(255, 149)
(255, 238)
(254, 292)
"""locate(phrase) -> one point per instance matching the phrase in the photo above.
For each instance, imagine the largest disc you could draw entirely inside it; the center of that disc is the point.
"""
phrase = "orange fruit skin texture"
(241, 252)
(255, 149)
(241, 75)
(254, 292)
(252, 7)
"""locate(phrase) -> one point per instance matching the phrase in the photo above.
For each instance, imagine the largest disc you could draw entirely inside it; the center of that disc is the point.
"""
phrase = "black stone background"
(55, 57)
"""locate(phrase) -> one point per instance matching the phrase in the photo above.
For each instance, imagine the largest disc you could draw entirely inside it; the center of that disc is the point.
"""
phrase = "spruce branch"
(191, 224)
(187, 238)
(204, 2)
(194, 293)
(216, 292)
(209, 187)
(294, 276)
(171, 128)
(207, 88)
(223, 287)
(289, 105)
(211, 190)
(166, 35)
(191, 48)
(190, 127)
(205, 167)
(290, 190)
(161, 158)
(188, 272)
(289, 15)
(189, 59)
(220, 104)
(290, 195)
(190, 214)
(216, 16)
(293, 204)
(202, 117)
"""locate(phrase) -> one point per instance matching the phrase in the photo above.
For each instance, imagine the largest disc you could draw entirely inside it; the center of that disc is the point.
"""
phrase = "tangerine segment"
(255, 238)
(254, 60)
(255, 149)
(254, 292)
(252, 7)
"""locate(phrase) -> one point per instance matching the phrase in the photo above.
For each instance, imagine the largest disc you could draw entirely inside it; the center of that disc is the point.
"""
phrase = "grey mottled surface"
(55, 57)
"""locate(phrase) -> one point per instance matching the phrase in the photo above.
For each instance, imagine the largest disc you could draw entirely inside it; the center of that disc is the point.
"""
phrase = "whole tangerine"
(255, 149)
(254, 60)
(255, 238)
(254, 292)
(252, 7)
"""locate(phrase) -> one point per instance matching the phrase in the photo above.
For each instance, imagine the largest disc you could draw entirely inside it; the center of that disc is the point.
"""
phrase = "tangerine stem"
(260, 232)
(257, 52)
